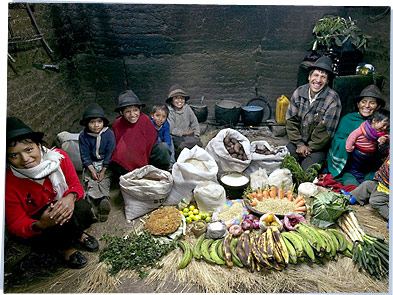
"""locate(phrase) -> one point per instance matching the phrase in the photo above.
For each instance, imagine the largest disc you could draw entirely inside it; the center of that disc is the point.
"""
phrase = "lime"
(208, 219)
(185, 210)
(192, 207)
(195, 217)
(203, 215)
(190, 214)
(195, 211)
(188, 219)
(185, 214)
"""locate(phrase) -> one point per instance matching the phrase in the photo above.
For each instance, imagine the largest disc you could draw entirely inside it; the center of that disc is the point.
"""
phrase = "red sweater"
(24, 197)
(133, 142)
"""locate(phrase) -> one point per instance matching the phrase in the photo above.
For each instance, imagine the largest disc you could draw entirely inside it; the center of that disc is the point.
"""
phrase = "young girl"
(184, 124)
(159, 115)
(363, 142)
(96, 144)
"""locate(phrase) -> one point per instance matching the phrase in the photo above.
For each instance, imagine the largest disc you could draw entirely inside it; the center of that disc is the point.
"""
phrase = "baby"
(96, 144)
(363, 142)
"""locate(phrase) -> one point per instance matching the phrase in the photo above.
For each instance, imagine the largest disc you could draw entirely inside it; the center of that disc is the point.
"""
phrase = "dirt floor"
(27, 272)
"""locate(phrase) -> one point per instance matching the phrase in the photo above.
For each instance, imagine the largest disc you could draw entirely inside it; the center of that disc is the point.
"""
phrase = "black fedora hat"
(16, 129)
(371, 91)
(128, 98)
(93, 110)
(324, 63)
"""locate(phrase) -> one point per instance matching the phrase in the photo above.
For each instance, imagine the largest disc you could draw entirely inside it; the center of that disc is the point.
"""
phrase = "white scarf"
(98, 143)
(49, 166)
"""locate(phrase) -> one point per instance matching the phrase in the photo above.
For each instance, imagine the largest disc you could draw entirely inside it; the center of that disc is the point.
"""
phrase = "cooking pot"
(251, 115)
(200, 112)
(227, 112)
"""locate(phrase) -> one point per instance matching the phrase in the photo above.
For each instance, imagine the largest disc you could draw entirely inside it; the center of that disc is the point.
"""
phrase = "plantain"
(328, 248)
(334, 240)
(196, 252)
(219, 249)
(269, 243)
(308, 236)
(321, 243)
(235, 259)
(187, 254)
(296, 241)
(240, 251)
(291, 250)
(205, 250)
(342, 243)
(213, 252)
(277, 254)
(226, 249)
(308, 250)
(247, 248)
(280, 244)
(331, 247)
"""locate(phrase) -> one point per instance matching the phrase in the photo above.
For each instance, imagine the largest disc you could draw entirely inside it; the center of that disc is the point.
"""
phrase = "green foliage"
(336, 30)
(298, 174)
(135, 252)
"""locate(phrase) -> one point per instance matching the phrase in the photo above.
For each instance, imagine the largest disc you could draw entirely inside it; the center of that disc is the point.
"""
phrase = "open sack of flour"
(144, 190)
(192, 167)
(231, 150)
(209, 196)
(265, 156)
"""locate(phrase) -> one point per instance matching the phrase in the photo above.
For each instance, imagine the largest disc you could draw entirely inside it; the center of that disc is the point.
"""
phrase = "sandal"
(76, 260)
(90, 243)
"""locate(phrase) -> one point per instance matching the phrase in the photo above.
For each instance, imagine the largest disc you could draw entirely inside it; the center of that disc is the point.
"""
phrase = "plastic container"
(251, 115)
(281, 109)
(234, 184)
(200, 111)
(227, 112)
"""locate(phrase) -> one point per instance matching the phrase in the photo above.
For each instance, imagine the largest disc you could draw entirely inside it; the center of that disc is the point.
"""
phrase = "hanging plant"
(332, 31)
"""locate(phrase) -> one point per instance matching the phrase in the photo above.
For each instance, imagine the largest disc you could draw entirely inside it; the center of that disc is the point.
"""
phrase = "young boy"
(376, 191)
(136, 138)
(159, 115)
(96, 145)
(363, 142)
(184, 124)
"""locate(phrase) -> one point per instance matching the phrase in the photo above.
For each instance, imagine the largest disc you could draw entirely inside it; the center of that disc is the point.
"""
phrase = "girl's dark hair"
(26, 138)
(379, 115)
(161, 107)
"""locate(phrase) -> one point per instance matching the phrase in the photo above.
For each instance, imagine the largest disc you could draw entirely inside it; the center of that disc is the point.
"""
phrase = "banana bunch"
(307, 243)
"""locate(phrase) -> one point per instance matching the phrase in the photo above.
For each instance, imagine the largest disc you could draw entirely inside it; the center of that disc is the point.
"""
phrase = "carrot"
(298, 199)
(259, 196)
(265, 194)
(259, 190)
(302, 208)
(290, 195)
(253, 203)
(253, 195)
(300, 204)
(273, 192)
(281, 193)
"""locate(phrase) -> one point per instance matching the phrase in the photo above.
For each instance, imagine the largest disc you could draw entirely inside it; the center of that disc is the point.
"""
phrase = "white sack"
(268, 162)
(259, 179)
(281, 178)
(187, 174)
(217, 150)
(144, 189)
(209, 196)
(69, 142)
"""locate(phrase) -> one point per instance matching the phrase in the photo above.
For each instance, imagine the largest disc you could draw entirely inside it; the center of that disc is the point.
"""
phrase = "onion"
(236, 230)
(255, 223)
(249, 217)
(291, 219)
(247, 224)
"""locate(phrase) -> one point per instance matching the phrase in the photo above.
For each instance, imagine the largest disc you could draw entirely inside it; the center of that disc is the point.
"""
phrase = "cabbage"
(327, 207)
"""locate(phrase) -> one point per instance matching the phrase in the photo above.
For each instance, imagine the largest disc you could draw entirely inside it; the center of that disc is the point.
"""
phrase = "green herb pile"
(135, 252)
(298, 174)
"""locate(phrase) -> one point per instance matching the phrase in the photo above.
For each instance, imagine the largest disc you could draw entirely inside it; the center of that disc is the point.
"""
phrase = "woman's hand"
(382, 140)
(93, 172)
(63, 209)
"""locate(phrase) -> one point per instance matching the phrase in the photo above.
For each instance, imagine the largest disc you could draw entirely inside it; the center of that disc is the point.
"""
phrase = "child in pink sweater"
(362, 143)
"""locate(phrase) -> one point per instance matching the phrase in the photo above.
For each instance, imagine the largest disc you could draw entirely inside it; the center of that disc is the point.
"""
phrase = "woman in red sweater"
(43, 196)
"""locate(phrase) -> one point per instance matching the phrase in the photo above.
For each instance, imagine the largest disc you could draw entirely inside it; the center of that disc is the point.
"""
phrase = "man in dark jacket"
(313, 115)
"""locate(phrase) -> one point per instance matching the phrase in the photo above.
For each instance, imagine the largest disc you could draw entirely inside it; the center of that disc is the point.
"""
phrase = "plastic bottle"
(281, 109)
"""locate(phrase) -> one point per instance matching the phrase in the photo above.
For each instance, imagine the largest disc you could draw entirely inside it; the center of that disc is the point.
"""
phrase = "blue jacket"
(163, 135)
(87, 147)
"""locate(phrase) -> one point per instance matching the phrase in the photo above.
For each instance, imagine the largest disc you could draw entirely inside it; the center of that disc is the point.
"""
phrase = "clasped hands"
(303, 151)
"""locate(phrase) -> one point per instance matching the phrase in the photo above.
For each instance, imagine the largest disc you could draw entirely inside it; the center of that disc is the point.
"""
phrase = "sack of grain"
(209, 196)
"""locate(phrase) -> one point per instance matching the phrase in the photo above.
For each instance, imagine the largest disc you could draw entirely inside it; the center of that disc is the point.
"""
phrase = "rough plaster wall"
(220, 52)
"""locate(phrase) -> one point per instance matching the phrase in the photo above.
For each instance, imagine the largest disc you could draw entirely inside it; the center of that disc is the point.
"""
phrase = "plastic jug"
(281, 109)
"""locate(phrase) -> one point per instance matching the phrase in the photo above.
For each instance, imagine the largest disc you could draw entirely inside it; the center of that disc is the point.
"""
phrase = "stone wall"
(219, 52)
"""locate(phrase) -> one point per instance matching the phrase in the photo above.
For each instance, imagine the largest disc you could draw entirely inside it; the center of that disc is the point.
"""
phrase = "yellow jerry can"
(281, 109)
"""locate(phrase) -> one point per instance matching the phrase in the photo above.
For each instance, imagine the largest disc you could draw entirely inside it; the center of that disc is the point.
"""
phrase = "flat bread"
(163, 221)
